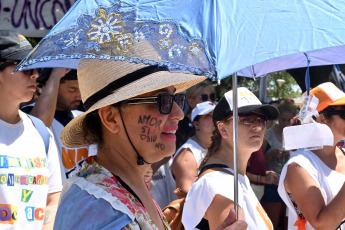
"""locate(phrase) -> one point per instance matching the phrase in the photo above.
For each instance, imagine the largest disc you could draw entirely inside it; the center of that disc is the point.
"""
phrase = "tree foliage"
(289, 89)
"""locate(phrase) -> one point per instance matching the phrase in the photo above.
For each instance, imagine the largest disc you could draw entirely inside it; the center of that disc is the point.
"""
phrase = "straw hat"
(105, 82)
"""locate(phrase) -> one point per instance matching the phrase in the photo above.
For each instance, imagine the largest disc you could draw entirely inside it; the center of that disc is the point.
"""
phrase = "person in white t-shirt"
(312, 181)
(56, 107)
(188, 157)
(30, 180)
(186, 166)
(212, 195)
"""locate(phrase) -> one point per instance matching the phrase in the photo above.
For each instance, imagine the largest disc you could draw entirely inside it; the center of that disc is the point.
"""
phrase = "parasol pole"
(235, 139)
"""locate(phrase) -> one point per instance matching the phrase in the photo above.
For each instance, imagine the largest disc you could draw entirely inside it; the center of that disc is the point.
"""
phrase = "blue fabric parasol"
(204, 37)
(215, 38)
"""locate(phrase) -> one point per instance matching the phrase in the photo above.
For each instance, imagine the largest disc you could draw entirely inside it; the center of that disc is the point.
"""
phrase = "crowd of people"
(132, 150)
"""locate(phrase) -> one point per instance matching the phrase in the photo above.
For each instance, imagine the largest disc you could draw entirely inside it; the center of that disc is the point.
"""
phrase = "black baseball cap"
(247, 103)
(13, 45)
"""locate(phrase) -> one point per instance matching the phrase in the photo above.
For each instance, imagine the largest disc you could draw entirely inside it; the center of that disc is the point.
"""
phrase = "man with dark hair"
(56, 107)
(30, 176)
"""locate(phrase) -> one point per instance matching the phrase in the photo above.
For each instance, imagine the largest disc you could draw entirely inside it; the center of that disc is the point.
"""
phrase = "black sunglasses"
(165, 101)
(205, 97)
(28, 72)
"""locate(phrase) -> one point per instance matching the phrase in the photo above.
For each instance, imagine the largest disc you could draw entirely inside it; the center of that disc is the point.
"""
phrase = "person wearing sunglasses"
(188, 158)
(201, 92)
(132, 114)
(212, 195)
(163, 183)
(30, 172)
(312, 181)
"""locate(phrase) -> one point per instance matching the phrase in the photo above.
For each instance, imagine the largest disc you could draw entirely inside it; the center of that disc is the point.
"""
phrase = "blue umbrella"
(215, 38)
(204, 37)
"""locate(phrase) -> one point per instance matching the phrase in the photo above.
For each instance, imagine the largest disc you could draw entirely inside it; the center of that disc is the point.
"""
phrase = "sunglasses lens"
(204, 97)
(180, 100)
(262, 121)
(28, 72)
(212, 97)
(165, 103)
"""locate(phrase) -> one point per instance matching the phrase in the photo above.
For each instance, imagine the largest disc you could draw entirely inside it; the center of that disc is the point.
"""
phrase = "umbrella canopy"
(214, 38)
(204, 37)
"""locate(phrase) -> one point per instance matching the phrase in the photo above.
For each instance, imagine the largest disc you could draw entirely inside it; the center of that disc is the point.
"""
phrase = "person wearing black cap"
(212, 195)
(56, 107)
(30, 172)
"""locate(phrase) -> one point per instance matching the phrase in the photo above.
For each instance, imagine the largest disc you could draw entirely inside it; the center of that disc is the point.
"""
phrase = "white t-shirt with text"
(27, 174)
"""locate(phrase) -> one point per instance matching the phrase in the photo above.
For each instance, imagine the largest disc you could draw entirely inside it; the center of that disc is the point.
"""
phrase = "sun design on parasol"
(109, 32)
(142, 33)
(164, 44)
(195, 49)
(73, 39)
(104, 28)
(123, 42)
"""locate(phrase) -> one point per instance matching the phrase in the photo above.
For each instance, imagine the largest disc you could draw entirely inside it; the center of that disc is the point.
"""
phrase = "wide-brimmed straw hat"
(105, 82)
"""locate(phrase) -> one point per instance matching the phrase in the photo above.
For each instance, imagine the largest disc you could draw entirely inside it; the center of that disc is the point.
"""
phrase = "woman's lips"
(32, 87)
(169, 134)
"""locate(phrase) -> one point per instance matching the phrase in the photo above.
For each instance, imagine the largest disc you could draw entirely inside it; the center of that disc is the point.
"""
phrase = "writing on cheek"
(148, 122)
(160, 146)
(145, 135)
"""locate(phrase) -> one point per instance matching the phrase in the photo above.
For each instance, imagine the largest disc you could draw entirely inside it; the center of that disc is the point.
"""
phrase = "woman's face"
(152, 133)
(204, 126)
(337, 125)
(250, 134)
(284, 119)
(18, 87)
(200, 97)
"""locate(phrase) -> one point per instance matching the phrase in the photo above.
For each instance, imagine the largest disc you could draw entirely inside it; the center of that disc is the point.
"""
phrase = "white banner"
(32, 18)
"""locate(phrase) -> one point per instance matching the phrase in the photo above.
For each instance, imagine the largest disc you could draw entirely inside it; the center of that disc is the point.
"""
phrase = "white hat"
(247, 103)
(202, 109)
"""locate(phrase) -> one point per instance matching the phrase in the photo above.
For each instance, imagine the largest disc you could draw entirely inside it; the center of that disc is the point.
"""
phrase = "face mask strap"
(140, 160)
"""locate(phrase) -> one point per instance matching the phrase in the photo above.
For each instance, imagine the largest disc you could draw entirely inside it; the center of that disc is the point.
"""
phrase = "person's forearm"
(332, 214)
(50, 211)
(252, 177)
(45, 105)
(49, 217)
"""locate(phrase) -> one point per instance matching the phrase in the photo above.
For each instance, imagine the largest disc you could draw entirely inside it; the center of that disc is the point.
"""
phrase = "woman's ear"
(191, 103)
(222, 130)
(110, 118)
(321, 119)
(196, 125)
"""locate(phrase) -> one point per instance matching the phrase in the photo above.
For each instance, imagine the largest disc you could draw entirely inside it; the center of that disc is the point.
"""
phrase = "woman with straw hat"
(212, 195)
(312, 182)
(132, 112)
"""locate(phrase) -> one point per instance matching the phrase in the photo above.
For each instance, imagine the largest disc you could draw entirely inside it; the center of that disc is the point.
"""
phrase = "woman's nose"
(176, 112)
